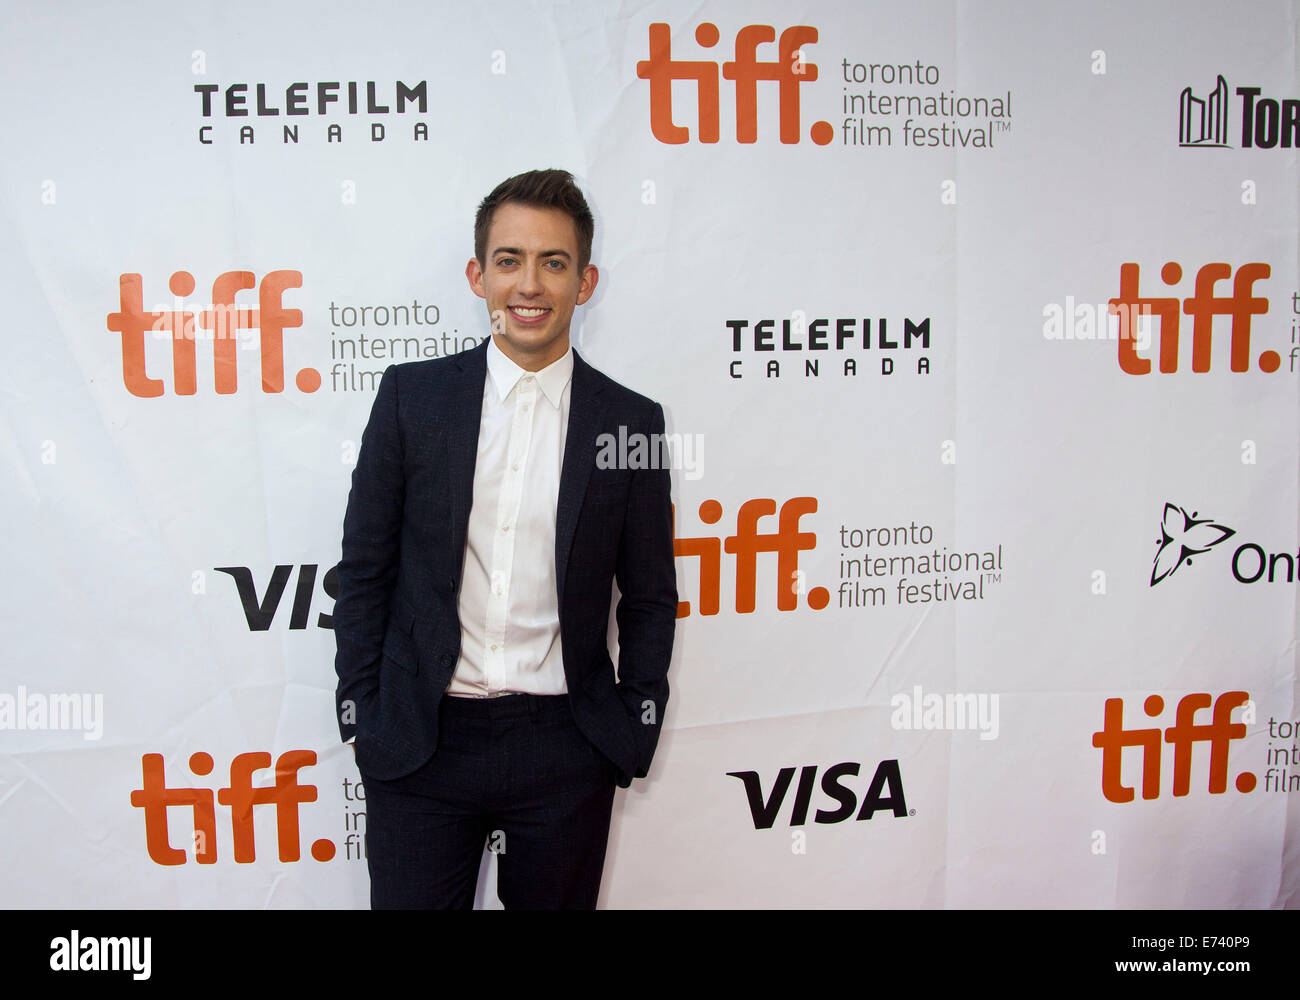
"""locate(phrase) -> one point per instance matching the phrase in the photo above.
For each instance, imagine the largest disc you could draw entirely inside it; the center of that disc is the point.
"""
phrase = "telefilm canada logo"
(1266, 122)
(324, 112)
(883, 102)
(796, 347)
(1185, 535)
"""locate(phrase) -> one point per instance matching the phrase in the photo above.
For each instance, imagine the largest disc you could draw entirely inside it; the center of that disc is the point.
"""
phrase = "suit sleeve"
(647, 607)
(367, 571)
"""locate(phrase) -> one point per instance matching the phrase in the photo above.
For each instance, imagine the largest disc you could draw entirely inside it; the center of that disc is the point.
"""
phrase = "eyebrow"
(516, 252)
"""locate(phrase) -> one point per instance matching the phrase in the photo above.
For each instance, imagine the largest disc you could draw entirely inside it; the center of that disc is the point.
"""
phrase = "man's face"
(531, 281)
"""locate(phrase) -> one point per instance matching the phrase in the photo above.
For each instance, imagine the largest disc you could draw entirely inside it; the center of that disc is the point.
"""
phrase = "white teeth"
(530, 313)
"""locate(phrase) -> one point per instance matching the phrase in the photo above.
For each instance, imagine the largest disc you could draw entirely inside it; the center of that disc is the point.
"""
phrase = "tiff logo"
(1202, 306)
(155, 797)
(224, 320)
(1204, 123)
(787, 541)
(788, 71)
(1185, 733)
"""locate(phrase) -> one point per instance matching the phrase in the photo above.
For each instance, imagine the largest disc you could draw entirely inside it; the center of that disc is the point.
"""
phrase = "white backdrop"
(168, 553)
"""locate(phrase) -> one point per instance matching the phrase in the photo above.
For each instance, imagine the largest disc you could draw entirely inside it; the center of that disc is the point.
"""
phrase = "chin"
(533, 345)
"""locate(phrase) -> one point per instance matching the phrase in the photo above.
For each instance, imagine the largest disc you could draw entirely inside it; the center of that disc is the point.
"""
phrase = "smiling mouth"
(528, 312)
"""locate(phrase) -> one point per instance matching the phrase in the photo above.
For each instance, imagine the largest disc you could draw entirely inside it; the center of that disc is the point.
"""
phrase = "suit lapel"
(464, 409)
(586, 416)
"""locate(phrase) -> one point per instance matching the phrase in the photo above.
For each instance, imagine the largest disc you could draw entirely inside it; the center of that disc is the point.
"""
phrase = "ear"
(474, 273)
(589, 278)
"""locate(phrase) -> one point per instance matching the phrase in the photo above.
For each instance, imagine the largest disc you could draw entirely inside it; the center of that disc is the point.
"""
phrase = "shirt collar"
(505, 374)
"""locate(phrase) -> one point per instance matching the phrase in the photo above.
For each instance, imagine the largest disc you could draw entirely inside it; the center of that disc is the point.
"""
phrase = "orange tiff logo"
(1112, 739)
(224, 320)
(154, 796)
(787, 541)
(1241, 304)
(789, 70)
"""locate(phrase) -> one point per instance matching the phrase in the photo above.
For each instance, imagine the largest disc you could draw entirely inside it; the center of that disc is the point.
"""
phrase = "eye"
(505, 261)
(555, 265)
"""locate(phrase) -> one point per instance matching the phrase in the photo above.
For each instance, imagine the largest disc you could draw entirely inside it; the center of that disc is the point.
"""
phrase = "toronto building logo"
(1204, 123)
(1266, 122)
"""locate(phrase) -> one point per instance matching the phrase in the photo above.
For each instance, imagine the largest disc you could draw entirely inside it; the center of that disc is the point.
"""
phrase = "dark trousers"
(512, 772)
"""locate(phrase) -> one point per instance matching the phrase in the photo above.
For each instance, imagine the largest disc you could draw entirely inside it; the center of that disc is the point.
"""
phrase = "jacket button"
(446, 659)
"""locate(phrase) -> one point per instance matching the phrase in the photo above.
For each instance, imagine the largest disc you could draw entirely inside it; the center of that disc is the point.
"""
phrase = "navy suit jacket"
(396, 620)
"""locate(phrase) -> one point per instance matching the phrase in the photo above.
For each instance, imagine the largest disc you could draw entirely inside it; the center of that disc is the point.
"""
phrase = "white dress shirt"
(509, 611)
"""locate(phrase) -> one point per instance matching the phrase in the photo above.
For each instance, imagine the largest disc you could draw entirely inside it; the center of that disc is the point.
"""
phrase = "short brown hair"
(541, 189)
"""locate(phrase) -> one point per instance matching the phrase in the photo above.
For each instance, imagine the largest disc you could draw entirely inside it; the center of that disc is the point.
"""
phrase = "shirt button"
(493, 647)
(505, 527)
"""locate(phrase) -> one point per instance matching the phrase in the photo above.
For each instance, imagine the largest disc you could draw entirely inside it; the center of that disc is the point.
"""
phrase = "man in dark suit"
(485, 528)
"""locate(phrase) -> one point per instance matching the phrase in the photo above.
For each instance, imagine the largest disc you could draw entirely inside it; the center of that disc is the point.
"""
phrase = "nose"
(530, 282)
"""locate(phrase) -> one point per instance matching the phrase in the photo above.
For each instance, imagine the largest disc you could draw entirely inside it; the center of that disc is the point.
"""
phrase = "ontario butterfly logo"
(1183, 535)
